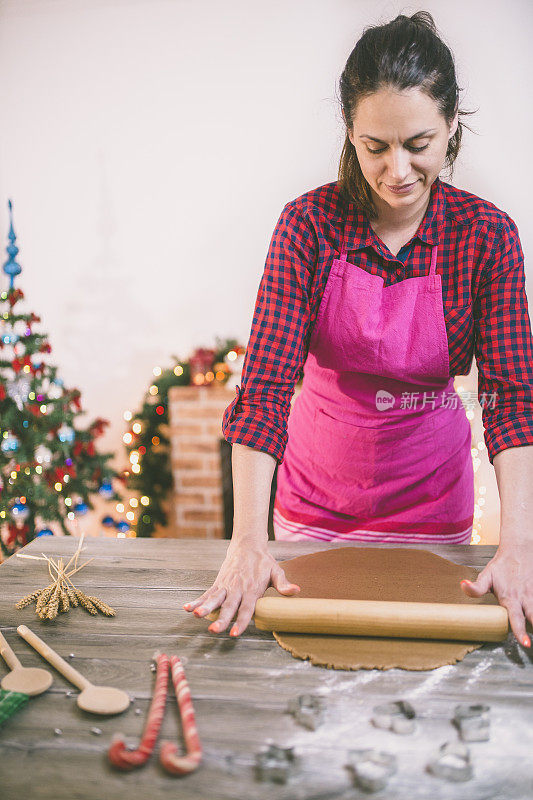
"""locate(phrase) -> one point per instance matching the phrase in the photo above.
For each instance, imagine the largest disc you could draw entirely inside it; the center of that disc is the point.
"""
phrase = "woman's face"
(400, 138)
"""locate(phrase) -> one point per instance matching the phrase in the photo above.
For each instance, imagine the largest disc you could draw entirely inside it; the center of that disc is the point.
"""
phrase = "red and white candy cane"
(129, 759)
(169, 758)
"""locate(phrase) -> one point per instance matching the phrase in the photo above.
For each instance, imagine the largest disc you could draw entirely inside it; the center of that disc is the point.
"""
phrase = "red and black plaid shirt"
(485, 307)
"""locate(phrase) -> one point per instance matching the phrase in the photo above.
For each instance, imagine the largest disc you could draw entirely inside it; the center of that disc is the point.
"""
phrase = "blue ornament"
(80, 509)
(106, 490)
(108, 521)
(10, 338)
(122, 526)
(45, 532)
(11, 267)
(20, 511)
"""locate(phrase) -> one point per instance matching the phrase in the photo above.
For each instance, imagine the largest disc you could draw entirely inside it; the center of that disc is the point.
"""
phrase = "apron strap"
(432, 270)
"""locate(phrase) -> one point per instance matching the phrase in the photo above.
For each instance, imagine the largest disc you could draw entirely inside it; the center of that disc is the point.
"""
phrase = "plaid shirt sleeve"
(504, 346)
(277, 348)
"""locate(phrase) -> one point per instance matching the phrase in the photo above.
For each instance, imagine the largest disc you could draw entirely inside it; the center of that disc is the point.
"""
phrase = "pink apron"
(379, 446)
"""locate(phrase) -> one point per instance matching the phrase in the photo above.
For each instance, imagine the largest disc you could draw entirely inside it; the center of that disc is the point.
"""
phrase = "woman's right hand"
(246, 572)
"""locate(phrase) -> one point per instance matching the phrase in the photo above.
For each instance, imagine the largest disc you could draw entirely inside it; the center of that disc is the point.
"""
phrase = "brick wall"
(195, 420)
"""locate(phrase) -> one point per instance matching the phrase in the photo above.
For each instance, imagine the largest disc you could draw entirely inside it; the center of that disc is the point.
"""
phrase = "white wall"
(150, 145)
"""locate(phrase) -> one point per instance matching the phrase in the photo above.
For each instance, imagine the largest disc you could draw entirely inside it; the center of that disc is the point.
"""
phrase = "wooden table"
(240, 689)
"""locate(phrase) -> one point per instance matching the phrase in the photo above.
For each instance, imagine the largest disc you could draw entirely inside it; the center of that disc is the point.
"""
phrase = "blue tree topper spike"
(11, 267)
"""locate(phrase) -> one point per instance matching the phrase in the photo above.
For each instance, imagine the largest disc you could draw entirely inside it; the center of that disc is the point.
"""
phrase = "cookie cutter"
(372, 768)
(275, 764)
(398, 716)
(452, 762)
(472, 722)
(307, 709)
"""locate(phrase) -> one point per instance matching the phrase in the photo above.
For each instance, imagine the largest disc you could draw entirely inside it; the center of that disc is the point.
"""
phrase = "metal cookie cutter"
(372, 768)
(398, 716)
(275, 763)
(472, 722)
(308, 710)
(452, 762)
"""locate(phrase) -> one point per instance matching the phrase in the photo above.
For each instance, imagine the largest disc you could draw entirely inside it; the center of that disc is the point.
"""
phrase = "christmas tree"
(48, 466)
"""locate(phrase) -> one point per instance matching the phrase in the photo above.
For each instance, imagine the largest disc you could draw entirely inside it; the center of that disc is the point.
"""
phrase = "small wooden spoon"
(96, 699)
(26, 680)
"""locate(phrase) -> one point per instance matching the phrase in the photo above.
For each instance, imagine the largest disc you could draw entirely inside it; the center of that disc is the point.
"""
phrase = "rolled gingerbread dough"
(378, 573)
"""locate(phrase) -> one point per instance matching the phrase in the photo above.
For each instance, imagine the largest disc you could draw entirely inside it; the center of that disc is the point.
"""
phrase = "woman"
(382, 285)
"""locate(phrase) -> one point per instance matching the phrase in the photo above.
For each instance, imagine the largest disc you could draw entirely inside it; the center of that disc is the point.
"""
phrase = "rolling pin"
(472, 622)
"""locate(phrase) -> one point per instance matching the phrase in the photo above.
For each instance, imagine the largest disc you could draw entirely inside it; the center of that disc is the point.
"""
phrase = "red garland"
(75, 395)
(80, 447)
(60, 472)
(18, 363)
(97, 428)
(14, 295)
(3, 394)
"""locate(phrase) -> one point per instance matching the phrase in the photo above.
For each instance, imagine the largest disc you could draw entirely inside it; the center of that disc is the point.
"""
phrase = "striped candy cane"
(171, 761)
(129, 759)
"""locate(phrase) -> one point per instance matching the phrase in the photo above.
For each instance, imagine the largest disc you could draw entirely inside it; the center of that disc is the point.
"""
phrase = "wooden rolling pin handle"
(52, 657)
(8, 655)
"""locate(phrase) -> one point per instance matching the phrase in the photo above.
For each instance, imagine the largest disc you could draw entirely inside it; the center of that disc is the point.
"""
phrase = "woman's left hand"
(509, 576)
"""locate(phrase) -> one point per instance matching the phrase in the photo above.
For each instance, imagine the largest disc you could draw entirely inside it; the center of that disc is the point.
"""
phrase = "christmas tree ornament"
(106, 490)
(54, 391)
(19, 511)
(80, 509)
(11, 268)
(43, 454)
(18, 390)
(66, 434)
(44, 532)
(122, 526)
(10, 443)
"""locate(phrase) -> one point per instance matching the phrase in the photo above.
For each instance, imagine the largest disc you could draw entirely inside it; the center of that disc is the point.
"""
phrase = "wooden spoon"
(26, 680)
(96, 699)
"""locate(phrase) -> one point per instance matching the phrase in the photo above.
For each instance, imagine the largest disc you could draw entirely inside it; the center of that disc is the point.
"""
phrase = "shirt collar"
(359, 233)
